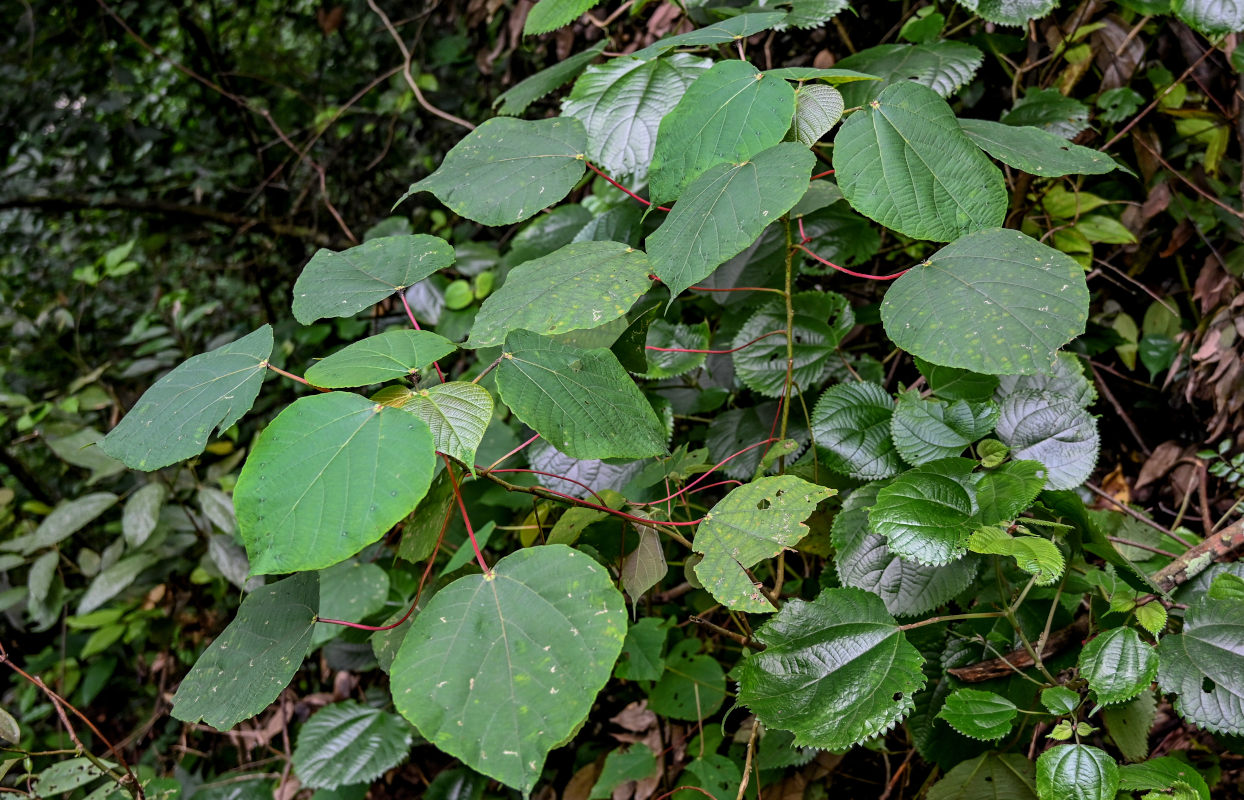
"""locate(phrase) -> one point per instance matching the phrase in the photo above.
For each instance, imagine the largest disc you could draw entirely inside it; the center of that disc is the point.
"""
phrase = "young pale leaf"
(990, 776)
(1033, 554)
(725, 209)
(820, 321)
(1211, 17)
(1076, 772)
(581, 401)
(731, 113)
(995, 301)
(817, 109)
(1035, 151)
(346, 743)
(376, 359)
(1118, 665)
(927, 513)
(926, 430)
(329, 476)
(1059, 700)
(851, 428)
(343, 284)
(1057, 432)
(834, 672)
(1201, 666)
(549, 15)
(515, 100)
(1164, 777)
(582, 285)
(507, 170)
(753, 522)
(942, 66)
(979, 715)
(457, 413)
(253, 660)
(951, 383)
(173, 419)
(1009, 12)
(905, 163)
(499, 669)
(1128, 725)
(725, 32)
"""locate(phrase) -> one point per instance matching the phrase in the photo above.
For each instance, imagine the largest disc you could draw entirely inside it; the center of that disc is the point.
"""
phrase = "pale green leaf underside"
(1118, 665)
(1035, 151)
(1065, 379)
(1076, 772)
(1211, 17)
(851, 427)
(549, 15)
(515, 100)
(347, 743)
(817, 109)
(1201, 666)
(376, 359)
(1009, 12)
(174, 418)
(499, 670)
(927, 513)
(457, 413)
(724, 32)
(1054, 431)
(979, 715)
(943, 66)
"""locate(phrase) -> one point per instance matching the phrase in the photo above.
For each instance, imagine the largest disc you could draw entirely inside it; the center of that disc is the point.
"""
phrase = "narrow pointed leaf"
(724, 32)
(979, 715)
(1211, 17)
(1201, 666)
(851, 427)
(1166, 776)
(142, 513)
(928, 513)
(645, 566)
(346, 743)
(1035, 151)
(376, 359)
(1118, 665)
(832, 75)
(1076, 772)
(68, 518)
(1054, 431)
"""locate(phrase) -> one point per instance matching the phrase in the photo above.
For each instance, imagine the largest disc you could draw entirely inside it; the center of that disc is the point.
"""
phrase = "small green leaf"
(1076, 772)
(992, 776)
(1006, 491)
(112, 581)
(927, 513)
(1118, 665)
(380, 358)
(979, 715)
(1035, 151)
(1060, 700)
(65, 776)
(817, 109)
(1201, 666)
(10, 731)
(926, 430)
(343, 284)
(831, 75)
(515, 100)
(641, 651)
(992, 453)
(1152, 616)
(1225, 586)
(346, 743)
(622, 766)
(1056, 432)
(1128, 725)
(1033, 554)
(951, 383)
(67, 519)
(692, 687)
(549, 15)
(645, 566)
(1051, 110)
(851, 427)
(672, 338)
(1211, 17)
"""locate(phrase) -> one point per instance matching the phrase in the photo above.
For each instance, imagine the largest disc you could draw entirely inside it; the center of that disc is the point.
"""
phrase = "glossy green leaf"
(831, 75)
(1211, 17)
(621, 766)
(817, 109)
(174, 418)
(518, 97)
(813, 13)
(1035, 555)
(729, 115)
(1006, 491)
(820, 321)
(457, 413)
(992, 776)
(345, 743)
(943, 66)
(376, 359)
(499, 669)
(329, 476)
(951, 383)
(549, 15)
(1059, 700)
(343, 284)
(904, 162)
(67, 519)
(1201, 666)
(1076, 772)
(834, 671)
(979, 715)
(851, 427)
(582, 285)
(1009, 12)
(928, 513)
(256, 656)
(671, 338)
(1118, 665)
(1057, 432)
(753, 522)
(692, 687)
(508, 170)
(725, 32)
(1035, 151)
(926, 430)
(1050, 110)
(1015, 301)
(1158, 776)
(581, 401)
(724, 210)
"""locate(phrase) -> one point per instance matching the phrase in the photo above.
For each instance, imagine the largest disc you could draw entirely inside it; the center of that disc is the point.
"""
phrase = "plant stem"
(453, 481)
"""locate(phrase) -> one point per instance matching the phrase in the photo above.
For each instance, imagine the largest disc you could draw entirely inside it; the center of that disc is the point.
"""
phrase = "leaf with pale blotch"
(851, 428)
(1035, 151)
(343, 284)
(928, 513)
(727, 31)
(1201, 666)
(1076, 772)
(346, 743)
(376, 359)
(1118, 665)
(817, 109)
(457, 413)
(979, 715)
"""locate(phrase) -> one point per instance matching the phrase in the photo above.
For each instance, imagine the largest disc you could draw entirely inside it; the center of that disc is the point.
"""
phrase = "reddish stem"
(718, 483)
(580, 484)
(453, 481)
(715, 352)
(776, 416)
(736, 289)
(512, 452)
(415, 323)
(846, 271)
(620, 187)
(821, 174)
(720, 464)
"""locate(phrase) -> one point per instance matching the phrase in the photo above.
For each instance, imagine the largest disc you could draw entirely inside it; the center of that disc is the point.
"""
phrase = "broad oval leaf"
(990, 776)
(820, 321)
(753, 522)
(725, 32)
(1076, 772)
(834, 672)
(851, 428)
(346, 743)
(1211, 17)
(1201, 666)
(498, 670)
(1009, 12)
(995, 301)
(904, 162)
(1054, 431)
(1035, 151)
(1166, 776)
(549, 15)
(256, 656)
(943, 66)
(329, 476)
(507, 170)
(343, 284)
(376, 359)
(174, 418)
(817, 109)
(1118, 665)
(928, 513)
(926, 430)
(979, 715)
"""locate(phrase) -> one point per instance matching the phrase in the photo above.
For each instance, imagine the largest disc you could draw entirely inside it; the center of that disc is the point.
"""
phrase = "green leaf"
(1016, 301)
(1225, 586)
(641, 651)
(817, 109)
(1009, 12)
(581, 401)
(834, 672)
(1201, 666)
(733, 430)
(622, 766)
(1065, 379)
(174, 418)
(621, 104)
(820, 321)
(1100, 228)
(753, 522)
(942, 66)
(457, 413)
(549, 15)
(927, 513)
(727, 31)
(67, 519)
(730, 114)
(926, 430)
(345, 743)
(1128, 725)
(499, 669)
(724, 210)
(838, 235)
(712, 774)
(668, 362)
(1118, 665)
(831, 75)
(256, 656)
(1211, 17)
(951, 383)
(65, 776)
(81, 448)
(343, 284)
(1152, 616)
(582, 285)
(990, 776)
(112, 581)
(851, 427)
(376, 359)
(508, 170)
(1050, 110)
(1052, 430)
(813, 13)
(645, 566)
(1034, 150)
(904, 162)
(329, 476)
(1076, 772)
(692, 687)
(349, 591)
(1162, 775)
(979, 715)
(1037, 556)
(1004, 492)
(515, 100)
(1060, 700)
(10, 731)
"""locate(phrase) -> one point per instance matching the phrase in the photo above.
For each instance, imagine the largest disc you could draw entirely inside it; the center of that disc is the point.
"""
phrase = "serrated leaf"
(671, 338)
(979, 715)
(753, 522)
(67, 519)
(1201, 666)
(498, 670)
(515, 100)
(1211, 17)
(725, 32)
(729, 115)
(1003, 493)
(376, 359)
(507, 170)
(1009, 12)
(457, 413)
(943, 66)
(1128, 725)
(346, 743)
(817, 109)
(1057, 432)
(174, 418)
(1158, 776)
(820, 321)
(581, 401)
(1065, 378)
(1152, 616)
(549, 15)
(733, 430)
(1076, 772)
(1118, 665)
(1035, 151)
(835, 671)
(1049, 110)
(1059, 700)
(851, 427)
(582, 285)
(951, 383)
(253, 660)
(991, 776)
(928, 513)
(343, 284)
(1037, 556)
(726, 209)
(926, 430)
(1015, 301)
(813, 13)
(904, 162)
(329, 476)
(645, 566)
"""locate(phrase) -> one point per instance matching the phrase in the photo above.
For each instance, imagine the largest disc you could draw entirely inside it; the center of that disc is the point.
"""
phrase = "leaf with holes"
(549, 15)
(979, 715)
(1035, 151)
(666, 342)
(820, 321)
(835, 671)
(376, 359)
(943, 66)
(1076, 772)
(1201, 666)
(1118, 665)
(174, 418)
(851, 428)
(926, 430)
(1055, 431)
(498, 670)
(727, 31)
(329, 476)
(753, 522)
(346, 743)
(928, 513)
(1039, 557)
(817, 109)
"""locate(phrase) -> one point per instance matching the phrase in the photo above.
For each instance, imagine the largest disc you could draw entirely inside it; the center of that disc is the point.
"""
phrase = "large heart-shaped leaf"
(995, 301)
(343, 284)
(346, 743)
(1076, 772)
(851, 428)
(499, 669)
(256, 656)
(905, 163)
(926, 430)
(329, 476)
(927, 513)
(943, 66)
(173, 419)
(376, 359)
(1035, 151)
(581, 401)
(507, 170)
(1055, 431)
(1201, 666)
(725, 32)
(753, 522)
(1118, 665)
(835, 671)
